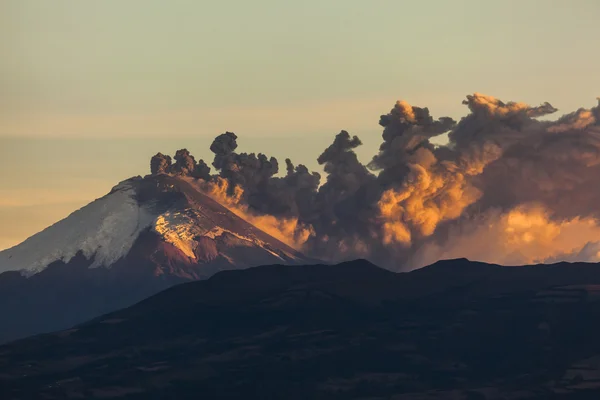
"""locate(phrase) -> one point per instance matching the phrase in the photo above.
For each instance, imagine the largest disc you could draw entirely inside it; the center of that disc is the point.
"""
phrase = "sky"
(90, 90)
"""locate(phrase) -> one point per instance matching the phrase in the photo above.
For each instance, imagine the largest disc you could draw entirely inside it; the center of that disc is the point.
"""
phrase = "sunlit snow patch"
(104, 229)
(182, 228)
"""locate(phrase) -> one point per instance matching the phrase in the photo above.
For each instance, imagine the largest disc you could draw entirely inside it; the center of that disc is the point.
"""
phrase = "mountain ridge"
(342, 331)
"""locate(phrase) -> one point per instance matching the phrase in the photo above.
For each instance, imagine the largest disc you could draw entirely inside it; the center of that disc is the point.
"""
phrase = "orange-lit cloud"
(288, 230)
(426, 198)
(524, 235)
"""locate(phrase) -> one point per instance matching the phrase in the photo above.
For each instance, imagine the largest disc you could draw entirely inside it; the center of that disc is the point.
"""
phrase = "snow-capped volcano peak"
(186, 220)
(144, 236)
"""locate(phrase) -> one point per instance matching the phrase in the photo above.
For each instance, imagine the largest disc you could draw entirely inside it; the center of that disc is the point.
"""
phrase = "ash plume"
(160, 164)
(185, 165)
(405, 130)
(265, 193)
(506, 188)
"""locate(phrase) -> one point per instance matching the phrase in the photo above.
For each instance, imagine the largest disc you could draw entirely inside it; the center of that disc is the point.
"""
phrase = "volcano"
(147, 234)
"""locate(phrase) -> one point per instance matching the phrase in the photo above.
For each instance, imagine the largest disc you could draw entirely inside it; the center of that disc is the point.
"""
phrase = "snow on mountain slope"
(182, 228)
(169, 207)
(104, 229)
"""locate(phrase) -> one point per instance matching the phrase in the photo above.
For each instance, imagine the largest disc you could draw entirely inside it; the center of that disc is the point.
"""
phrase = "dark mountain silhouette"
(454, 330)
(144, 236)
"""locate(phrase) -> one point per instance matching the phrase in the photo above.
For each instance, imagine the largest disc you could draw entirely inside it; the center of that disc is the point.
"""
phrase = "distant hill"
(454, 330)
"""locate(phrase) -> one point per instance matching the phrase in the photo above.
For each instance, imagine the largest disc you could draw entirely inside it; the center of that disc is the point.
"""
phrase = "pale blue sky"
(83, 82)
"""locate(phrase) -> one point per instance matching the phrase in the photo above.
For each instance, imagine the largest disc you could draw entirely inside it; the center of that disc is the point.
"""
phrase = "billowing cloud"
(507, 188)
(526, 234)
(160, 164)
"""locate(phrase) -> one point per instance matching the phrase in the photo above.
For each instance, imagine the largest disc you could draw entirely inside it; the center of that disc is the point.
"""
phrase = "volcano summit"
(145, 235)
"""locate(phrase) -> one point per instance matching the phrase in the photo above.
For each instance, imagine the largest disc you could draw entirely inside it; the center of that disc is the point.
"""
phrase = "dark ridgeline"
(454, 330)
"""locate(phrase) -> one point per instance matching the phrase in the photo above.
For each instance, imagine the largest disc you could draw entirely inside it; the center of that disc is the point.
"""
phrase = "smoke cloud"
(160, 164)
(185, 165)
(506, 188)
